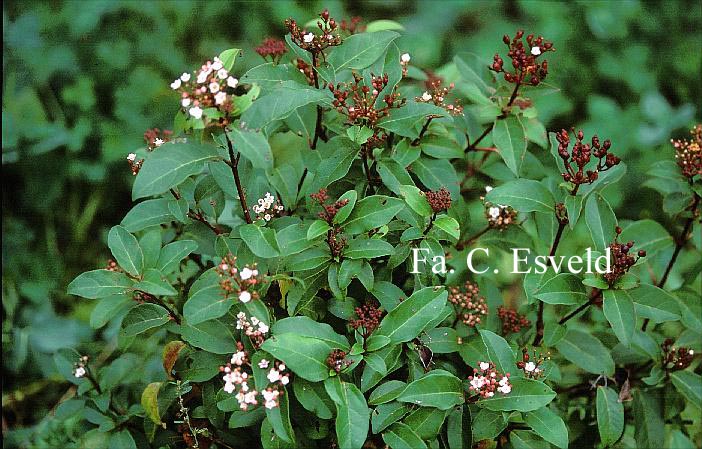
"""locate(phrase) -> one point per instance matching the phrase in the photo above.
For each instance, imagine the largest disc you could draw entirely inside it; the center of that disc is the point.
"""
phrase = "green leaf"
(401, 436)
(352, 413)
(449, 225)
(307, 327)
(343, 213)
(618, 308)
(260, 240)
(173, 253)
(564, 288)
(144, 317)
(649, 236)
(393, 175)
(689, 385)
(384, 415)
(510, 140)
(648, 420)
(416, 200)
(499, 352)
(441, 340)
(271, 75)
(459, 429)
(548, 426)
(442, 147)
(169, 166)
(317, 228)
(149, 400)
(372, 212)
(527, 395)
(407, 120)
(587, 352)
(206, 299)
(126, 250)
(381, 25)
(574, 206)
(108, 308)
(360, 50)
(228, 58)
(411, 316)
(437, 388)
(147, 213)
(212, 336)
(122, 440)
(600, 220)
(524, 195)
(524, 439)
(426, 421)
(99, 284)
(281, 102)
(311, 259)
(254, 147)
(368, 249)
(305, 356)
(336, 161)
(436, 173)
(154, 284)
(610, 415)
(314, 398)
(488, 424)
(279, 417)
(386, 392)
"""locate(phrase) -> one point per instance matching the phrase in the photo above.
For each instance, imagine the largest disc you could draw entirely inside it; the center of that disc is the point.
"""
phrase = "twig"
(464, 243)
(679, 244)
(596, 294)
(416, 141)
(318, 130)
(234, 164)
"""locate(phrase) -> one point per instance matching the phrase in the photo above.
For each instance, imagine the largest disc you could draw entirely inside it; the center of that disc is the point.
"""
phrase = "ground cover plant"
(265, 281)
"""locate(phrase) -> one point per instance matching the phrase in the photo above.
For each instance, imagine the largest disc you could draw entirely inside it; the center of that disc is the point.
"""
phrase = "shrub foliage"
(270, 260)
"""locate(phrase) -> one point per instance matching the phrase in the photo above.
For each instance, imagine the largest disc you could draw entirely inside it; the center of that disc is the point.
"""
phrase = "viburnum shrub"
(293, 273)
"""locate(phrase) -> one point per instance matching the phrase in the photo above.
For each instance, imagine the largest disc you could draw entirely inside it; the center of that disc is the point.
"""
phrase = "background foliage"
(82, 81)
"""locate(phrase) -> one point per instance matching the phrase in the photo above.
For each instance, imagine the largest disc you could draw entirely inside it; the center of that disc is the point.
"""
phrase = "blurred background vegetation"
(82, 81)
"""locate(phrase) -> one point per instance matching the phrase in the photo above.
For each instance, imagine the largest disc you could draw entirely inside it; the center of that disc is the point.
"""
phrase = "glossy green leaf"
(524, 195)
(587, 352)
(411, 316)
(549, 426)
(99, 284)
(610, 415)
(618, 308)
(126, 250)
(144, 317)
(510, 140)
(438, 388)
(527, 395)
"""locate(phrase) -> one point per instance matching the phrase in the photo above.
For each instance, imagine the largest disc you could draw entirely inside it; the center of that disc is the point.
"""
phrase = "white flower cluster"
(79, 367)
(250, 327)
(267, 207)
(494, 211)
(209, 89)
(235, 378)
(486, 380)
(530, 367)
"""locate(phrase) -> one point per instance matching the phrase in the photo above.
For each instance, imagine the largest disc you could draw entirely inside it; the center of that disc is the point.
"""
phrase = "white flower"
(202, 75)
(488, 189)
(490, 394)
(273, 375)
(263, 328)
(217, 64)
(504, 381)
(244, 296)
(270, 404)
(222, 74)
(185, 77)
(405, 58)
(263, 364)
(246, 273)
(494, 211)
(220, 97)
(426, 96)
(229, 387)
(691, 352)
(214, 87)
(536, 51)
(504, 389)
(232, 82)
(477, 382)
(284, 380)
(281, 367)
(175, 84)
(185, 102)
(131, 157)
(195, 112)
(530, 366)
(309, 37)
(250, 398)
(484, 366)
(80, 372)
(238, 358)
(158, 142)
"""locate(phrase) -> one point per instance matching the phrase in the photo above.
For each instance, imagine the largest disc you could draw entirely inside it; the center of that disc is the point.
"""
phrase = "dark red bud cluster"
(675, 359)
(358, 102)
(621, 258)
(337, 360)
(368, 320)
(439, 200)
(511, 320)
(315, 43)
(577, 158)
(526, 67)
(329, 211)
(470, 306)
(272, 48)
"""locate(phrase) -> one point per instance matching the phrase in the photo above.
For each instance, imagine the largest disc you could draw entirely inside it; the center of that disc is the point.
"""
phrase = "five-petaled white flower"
(195, 112)
(405, 58)
(131, 157)
(232, 82)
(536, 51)
(220, 97)
(484, 365)
(185, 77)
(244, 296)
(426, 96)
(175, 84)
(309, 37)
